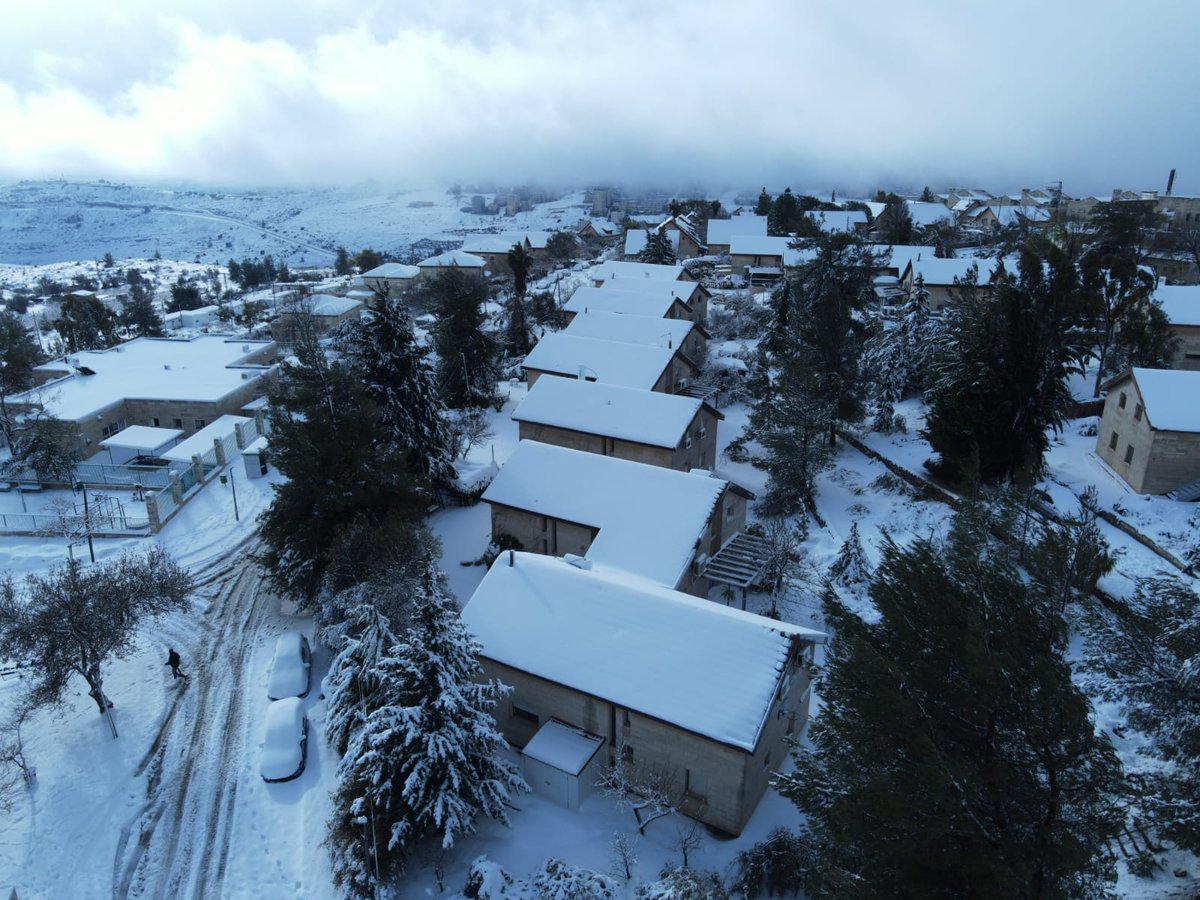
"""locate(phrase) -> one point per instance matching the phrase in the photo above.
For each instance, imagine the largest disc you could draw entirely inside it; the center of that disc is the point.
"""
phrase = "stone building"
(1150, 430)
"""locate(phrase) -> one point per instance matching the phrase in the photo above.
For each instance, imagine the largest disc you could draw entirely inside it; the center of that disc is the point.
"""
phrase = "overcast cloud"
(846, 95)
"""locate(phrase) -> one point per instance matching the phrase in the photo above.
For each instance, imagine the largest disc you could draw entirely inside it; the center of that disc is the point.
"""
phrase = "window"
(524, 715)
(1112, 441)
(703, 432)
(154, 422)
(627, 752)
(1137, 413)
(729, 511)
(1121, 400)
(200, 423)
(688, 442)
(1129, 454)
(625, 720)
(179, 423)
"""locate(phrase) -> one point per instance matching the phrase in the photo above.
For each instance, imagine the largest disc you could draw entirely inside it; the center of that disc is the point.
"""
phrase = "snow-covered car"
(285, 742)
(291, 668)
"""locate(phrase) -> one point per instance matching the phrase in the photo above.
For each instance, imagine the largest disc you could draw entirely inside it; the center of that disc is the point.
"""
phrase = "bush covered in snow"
(487, 880)
(778, 866)
(682, 883)
(558, 880)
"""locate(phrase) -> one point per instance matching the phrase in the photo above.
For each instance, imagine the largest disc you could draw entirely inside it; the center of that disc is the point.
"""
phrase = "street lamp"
(87, 519)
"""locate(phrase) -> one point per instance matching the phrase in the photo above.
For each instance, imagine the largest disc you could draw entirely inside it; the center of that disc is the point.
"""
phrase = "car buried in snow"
(285, 741)
(291, 667)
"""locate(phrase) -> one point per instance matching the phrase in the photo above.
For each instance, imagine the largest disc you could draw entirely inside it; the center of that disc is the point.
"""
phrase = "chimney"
(1170, 182)
(511, 558)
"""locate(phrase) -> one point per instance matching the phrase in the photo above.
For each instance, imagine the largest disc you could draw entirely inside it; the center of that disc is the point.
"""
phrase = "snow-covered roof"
(927, 213)
(635, 240)
(620, 301)
(623, 271)
(205, 368)
(611, 362)
(453, 259)
(1169, 396)
(331, 305)
(631, 328)
(257, 445)
(839, 220)
(629, 414)
(685, 290)
(758, 245)
(649, 517)
(900, 255)
(722, 231)
(392, 270)
(1180, 302)
(943, 271)
(142, 437)
(202, 441)
(563, 747)
(602, 227)
(490, 243)
(634, 644)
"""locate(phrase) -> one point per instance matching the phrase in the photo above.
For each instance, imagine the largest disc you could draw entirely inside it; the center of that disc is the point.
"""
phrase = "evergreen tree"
(342, 465)
(1144, 338)
(954, 757)
(184, 295)
(785, 215)
(850, 568)
(341, 262)
(367, 259)
(1119, 289)
(895, 223)
(86, 324)
(520, 262)
(518, 340)
(19, 353)
(140, 315)
(1001, 367)
(383, 349)
(46, 444)
(1148, 657)
(658, 249)
(792, 423)
(898, 360)
(466, 368)
(763, 207)
(428, 761)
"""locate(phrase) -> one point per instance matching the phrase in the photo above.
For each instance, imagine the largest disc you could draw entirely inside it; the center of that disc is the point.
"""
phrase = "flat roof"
(202, 441)
(722, 231)
(639, 645)
(563, 747)
(612, 362)
(629, 414)
(199, 369)
(142, 437)
(649, 517)
(1180, 302)
(615, 300)
(392, 270)
(1169, 396)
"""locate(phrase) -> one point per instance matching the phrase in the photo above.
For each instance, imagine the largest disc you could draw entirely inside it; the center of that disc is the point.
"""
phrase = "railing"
(100, 474)
(97, 523)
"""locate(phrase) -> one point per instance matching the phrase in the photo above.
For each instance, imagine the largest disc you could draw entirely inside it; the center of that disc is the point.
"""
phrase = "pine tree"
(658, 249)
(467, 366)
(1148, 658)
(1001, 367)
(383, 350)
(898, 360)
(793, 426)
(850, 568)
(140, 315)
(427, 761)
(517, 338)
(954, 757)
(328, 438)
(763, 207)
(520, 262)
(341, 262)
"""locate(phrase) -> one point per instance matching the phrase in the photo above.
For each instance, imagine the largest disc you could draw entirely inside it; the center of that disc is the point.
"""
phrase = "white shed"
(563, 764)
(255, 457)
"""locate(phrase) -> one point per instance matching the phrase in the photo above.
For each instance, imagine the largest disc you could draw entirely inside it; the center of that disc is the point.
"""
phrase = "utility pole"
(233, 486)
(87, 522)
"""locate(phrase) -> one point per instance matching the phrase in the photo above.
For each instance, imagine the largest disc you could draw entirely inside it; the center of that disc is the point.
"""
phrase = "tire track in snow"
(184, 828)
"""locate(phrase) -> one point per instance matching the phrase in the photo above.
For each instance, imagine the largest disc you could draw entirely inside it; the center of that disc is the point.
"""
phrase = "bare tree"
(645, 791)
(469, 428)
(16, 772)
(72, 619)
(624, 855)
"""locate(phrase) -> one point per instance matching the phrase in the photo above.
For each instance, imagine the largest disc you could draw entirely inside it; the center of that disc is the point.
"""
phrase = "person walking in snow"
(173, 661)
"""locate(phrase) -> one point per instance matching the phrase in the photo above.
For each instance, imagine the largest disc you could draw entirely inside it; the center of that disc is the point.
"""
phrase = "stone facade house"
(940, 277)
(641, 426)
(722, 231)
(1181, 303)
(1150, 430)
(157, 382)
(388, 279)
(644, 366)
(320, 312)
(677, 334)
(647, 520)
(453, 259)
(695, 694)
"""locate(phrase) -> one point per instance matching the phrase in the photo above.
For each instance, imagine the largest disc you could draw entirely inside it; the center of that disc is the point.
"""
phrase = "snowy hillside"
(54, 221)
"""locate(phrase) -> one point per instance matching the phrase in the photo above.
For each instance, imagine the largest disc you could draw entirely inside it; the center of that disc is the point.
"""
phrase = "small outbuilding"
(563, 764)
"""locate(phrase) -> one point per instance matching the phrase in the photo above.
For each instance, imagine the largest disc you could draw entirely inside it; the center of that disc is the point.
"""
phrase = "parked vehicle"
(285, 742)
(291, 669)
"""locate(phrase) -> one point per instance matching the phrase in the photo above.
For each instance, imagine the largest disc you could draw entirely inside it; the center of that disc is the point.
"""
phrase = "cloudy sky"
(850, 95)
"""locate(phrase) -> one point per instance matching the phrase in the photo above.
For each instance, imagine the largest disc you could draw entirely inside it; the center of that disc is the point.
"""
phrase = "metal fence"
(100, 474)
(67, 526)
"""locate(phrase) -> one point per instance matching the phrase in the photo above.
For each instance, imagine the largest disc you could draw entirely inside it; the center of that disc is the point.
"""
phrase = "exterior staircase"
(739, 562)
(1186, 493)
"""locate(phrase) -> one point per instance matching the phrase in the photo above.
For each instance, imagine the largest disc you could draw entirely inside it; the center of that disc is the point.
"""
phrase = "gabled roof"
(635, 271)
(489, 243)
(453, 259)
(1169, 397)
(635, 240)
(1180, 302)
(616, 300)
(839, 220)
(629, 414)
(758, 245)
(610, 362)
(602, 227)
(927, 213)
(649, 517)
(392, 270)
(722, 231)
(944, 271)
(635, 644)
(900, 255)
(330, 305)
(632, 329)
